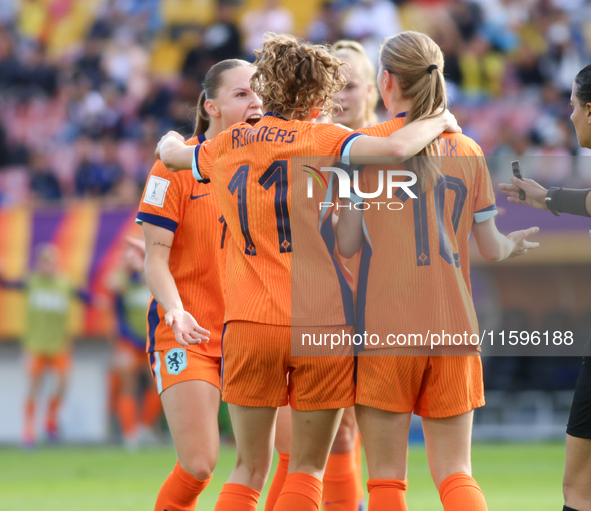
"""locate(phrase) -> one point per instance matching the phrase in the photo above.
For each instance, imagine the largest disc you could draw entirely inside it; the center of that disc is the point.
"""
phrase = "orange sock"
(359, 467)
(237, 497)
(29, 430)
(387, 494)
(52, 412)
(340, 483)
(180, 491)
(301, 492)
(152, 407)
(127, 414)
(460, 492)
(278, 480)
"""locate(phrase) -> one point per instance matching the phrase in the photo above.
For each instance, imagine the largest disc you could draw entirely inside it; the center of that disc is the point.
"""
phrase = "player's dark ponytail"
(583, 83)
(211, 85)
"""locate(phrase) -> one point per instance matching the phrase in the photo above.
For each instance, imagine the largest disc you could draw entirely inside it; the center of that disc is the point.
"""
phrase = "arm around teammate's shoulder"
(405, 142)
(495, 246)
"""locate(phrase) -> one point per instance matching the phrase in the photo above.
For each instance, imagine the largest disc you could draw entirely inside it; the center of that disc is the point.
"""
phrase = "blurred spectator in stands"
(37, 75)
(44, 184)
(182, 115)
(482, 69)
(323, 28)
(9, 65)
(271, 17)
(111, 118)
(97, 178)
(564, 58)
(84, 108)
(5, 158)
(89, 63)
(126, 63)
(221, 40)
(156, 104)
(370, 21)
(33, 18)
(8, 11)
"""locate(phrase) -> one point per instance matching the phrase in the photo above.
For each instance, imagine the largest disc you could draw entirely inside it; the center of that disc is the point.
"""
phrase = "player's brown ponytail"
(211, 84)
(416, 62)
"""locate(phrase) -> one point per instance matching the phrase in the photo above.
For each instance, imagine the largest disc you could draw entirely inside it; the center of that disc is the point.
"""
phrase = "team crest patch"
(176, 360)
(156, 191)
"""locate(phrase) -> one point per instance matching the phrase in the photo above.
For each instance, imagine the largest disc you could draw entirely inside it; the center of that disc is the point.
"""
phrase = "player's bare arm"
(173, 152)
(495, 246)
(405, 142)
(163, 287)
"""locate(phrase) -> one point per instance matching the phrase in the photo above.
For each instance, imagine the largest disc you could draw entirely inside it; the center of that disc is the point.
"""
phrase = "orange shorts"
(257, 361)
(127, 357)
(431, 386)
(37, 364)
(179, 364)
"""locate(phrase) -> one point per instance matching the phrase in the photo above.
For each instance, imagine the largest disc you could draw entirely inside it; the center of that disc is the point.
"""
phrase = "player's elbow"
(399, 151)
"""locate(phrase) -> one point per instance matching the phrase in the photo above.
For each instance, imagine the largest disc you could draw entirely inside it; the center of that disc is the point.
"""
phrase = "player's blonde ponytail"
(211, 84)
(416, 62)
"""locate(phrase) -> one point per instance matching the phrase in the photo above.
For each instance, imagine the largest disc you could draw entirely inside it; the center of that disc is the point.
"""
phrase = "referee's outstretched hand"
(186, 329)
(535, 193)
(520, 243)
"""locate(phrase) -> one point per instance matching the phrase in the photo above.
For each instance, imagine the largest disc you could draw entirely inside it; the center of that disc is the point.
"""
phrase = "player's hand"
(137, 243)
(535, 193)
(186, 329)
(520, 243)
(167, 140)
(450, 122)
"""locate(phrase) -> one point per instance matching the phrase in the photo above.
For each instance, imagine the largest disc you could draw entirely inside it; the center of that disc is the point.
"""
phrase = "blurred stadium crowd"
(88, 87)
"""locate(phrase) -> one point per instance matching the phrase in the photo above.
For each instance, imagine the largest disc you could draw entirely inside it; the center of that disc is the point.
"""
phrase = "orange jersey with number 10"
(252, 175)
(414, 274)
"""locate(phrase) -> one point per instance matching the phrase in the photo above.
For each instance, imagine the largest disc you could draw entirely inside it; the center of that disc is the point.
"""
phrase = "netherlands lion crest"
(176, 360)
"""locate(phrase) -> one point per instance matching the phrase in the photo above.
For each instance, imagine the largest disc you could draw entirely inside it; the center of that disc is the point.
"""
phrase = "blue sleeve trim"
(346, 147)
(195, 165)
(159, 221)
(485, 214)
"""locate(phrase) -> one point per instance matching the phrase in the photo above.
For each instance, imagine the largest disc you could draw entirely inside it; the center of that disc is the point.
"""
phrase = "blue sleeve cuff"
(160, 221)
(195, 166)
(346, 147)
(485, 214)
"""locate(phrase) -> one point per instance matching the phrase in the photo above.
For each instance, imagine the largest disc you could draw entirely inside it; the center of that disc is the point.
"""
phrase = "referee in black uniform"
(577, 475)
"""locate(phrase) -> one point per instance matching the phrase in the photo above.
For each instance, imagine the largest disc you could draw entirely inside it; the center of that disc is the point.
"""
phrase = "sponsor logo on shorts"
(176, 360)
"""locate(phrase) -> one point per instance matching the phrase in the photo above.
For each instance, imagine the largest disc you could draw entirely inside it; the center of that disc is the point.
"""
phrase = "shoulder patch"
(156, 191)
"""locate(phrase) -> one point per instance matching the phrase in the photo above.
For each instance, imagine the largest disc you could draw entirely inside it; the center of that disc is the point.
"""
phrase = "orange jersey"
(175, 201)
(414, 274)
(253, 178)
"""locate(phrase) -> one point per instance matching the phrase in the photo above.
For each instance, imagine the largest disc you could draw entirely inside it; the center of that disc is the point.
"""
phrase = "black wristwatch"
(551, 193)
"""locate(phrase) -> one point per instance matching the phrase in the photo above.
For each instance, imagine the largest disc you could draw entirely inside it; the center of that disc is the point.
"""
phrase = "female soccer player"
(251, 174)
(46, 341)
(185, 237)
(342, 489)
(414, 278)
(577, 475)
(131, 296)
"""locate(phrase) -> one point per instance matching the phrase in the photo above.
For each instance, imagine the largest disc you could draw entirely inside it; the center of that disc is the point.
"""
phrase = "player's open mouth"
(253, 119)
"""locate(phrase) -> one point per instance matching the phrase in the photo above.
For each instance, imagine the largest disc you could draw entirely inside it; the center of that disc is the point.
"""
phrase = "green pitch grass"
(513, 477)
